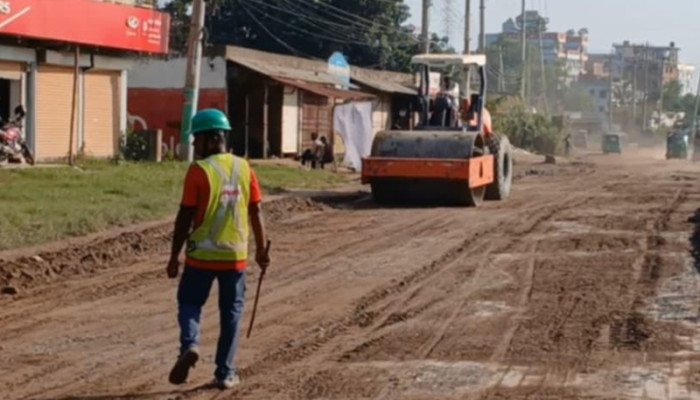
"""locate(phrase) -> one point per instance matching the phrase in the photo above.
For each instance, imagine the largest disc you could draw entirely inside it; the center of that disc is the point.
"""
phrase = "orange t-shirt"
(196, 194)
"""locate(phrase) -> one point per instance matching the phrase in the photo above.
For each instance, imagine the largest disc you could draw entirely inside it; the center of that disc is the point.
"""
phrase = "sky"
(608, 21)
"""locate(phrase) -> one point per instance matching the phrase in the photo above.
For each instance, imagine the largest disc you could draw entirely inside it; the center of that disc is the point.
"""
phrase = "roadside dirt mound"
(521, 156)
(277, 210)
(44, 267)
(79, 258)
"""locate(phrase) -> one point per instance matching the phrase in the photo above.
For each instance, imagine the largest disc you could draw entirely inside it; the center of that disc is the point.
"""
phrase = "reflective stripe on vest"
(223, 235)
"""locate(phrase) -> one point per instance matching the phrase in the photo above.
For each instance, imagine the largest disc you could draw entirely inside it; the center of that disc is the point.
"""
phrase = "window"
(601, 109)
(592, 92)
(603, 94)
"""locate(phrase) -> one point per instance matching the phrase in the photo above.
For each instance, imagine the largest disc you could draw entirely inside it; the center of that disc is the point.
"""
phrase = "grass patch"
(276, 178)
(41, 205)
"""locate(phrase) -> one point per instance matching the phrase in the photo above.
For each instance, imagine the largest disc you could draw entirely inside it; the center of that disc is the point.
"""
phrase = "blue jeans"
(193, 293)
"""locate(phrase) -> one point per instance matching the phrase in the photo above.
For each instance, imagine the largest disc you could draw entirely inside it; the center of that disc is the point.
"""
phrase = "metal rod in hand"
(257, 292)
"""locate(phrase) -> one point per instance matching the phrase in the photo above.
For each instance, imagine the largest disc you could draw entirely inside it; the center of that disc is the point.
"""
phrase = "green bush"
(135, 147)
(532, 132)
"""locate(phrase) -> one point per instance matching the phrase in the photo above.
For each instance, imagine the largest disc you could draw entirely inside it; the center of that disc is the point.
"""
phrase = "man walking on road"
(221, 198)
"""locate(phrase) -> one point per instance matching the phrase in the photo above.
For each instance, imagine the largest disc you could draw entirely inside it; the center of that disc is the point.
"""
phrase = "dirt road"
(582, 285)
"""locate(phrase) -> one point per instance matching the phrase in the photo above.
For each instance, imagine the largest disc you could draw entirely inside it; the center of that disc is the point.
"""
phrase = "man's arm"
(258, 225)
(183, 224)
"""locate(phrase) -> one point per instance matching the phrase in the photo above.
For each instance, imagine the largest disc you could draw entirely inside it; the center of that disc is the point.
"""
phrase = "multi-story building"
(647, 67)
(599, 90)
(568, 48)
(598, 65)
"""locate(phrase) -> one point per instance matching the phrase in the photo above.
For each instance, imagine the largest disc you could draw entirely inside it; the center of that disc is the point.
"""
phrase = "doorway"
(10, 97)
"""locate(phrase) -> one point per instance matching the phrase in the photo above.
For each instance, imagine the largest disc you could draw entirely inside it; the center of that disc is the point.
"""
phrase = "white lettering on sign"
(5, 7)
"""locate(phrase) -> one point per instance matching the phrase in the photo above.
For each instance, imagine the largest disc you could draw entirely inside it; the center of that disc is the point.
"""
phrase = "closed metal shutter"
(10, 70)
(53, 114)
(101, 113)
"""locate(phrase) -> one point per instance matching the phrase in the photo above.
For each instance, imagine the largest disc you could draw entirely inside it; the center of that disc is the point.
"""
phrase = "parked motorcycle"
(13, 147)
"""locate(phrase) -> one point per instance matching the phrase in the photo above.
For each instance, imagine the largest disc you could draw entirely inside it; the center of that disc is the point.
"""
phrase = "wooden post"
(159, 145)
(74, 107)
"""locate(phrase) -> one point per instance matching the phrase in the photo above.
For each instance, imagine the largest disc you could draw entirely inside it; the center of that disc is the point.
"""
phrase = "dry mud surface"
(584, 285)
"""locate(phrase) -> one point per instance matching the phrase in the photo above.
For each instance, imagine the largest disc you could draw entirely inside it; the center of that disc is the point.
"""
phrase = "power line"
(272, 35)
(304, 31)
(341, 34)
(347, 18)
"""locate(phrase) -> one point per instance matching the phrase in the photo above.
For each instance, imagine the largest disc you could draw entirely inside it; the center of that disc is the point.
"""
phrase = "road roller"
(452, 156)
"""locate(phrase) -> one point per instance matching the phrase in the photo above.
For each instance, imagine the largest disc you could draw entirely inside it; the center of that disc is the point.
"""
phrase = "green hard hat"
(209, 120)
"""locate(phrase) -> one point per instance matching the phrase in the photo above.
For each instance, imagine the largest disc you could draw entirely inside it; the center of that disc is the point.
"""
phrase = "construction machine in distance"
(452, 157)
(678, 144)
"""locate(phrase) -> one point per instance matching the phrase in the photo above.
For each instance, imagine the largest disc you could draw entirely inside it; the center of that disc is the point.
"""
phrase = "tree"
(578, 99)
(673, 96)
(179, 11)
(545, 88)
(370, 33)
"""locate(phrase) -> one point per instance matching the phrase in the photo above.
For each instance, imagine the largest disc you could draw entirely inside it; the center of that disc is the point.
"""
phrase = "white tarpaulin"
(353, 122)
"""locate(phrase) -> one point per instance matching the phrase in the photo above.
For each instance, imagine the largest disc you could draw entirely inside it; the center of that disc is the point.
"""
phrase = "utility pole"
(661, 88)
(467, 43)
(695, 117)
(448, 16)
(646, 89)
(523, 27)
(194, 64)
(610, 94)
(467, 26)
(501, 69)
(634, 92)
(425, 28)
(544, 73)
(482, 27)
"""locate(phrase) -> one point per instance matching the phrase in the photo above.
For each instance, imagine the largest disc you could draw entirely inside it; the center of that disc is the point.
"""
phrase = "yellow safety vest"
(223, 235)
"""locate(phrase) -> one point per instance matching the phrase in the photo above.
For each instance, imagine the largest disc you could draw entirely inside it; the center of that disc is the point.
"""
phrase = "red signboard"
(87, 22)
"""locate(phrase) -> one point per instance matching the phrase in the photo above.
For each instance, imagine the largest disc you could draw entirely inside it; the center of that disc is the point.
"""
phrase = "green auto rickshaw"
(677, 145)
(612, 143)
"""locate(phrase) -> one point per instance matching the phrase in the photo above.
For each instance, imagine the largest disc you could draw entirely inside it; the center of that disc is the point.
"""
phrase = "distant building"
(598, 65)
(568, 48)
(648, 67)
(687, 78)
(599, 90)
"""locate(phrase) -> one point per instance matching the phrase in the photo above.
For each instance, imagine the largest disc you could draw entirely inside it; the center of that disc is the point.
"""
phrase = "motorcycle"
(13, 147)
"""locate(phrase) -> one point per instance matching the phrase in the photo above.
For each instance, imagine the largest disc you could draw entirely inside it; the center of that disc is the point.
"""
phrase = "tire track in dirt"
(311, 364)
(524, 298)
(633, 329)
(470, 286)
(646, 246)
(363, 317)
